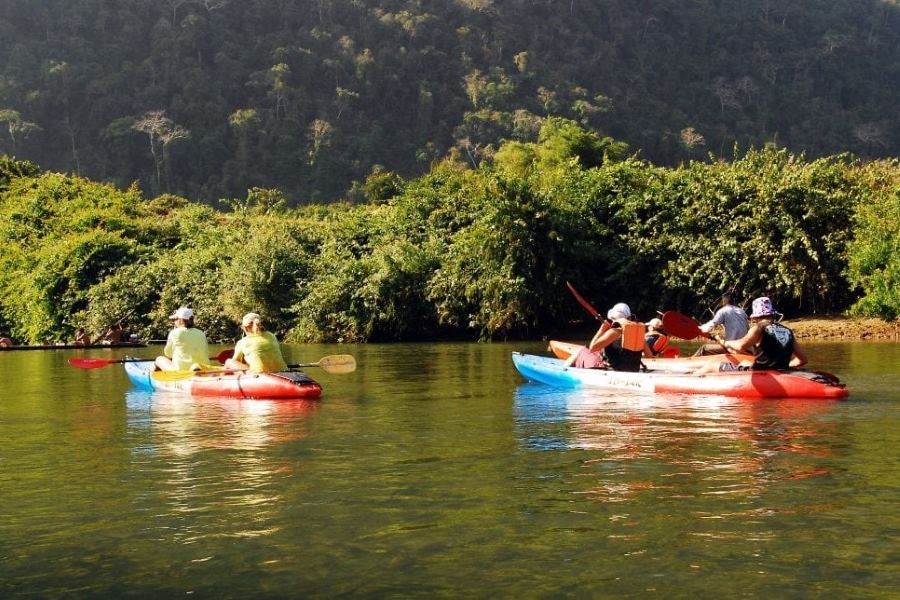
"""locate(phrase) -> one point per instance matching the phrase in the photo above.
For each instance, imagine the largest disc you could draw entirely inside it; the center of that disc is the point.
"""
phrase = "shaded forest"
(209, 98)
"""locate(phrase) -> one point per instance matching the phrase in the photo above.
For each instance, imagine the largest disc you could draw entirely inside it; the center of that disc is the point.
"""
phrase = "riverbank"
(839, 327)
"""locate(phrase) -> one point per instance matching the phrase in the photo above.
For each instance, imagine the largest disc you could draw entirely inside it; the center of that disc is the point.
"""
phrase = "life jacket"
(776, 347)
(633, 334)
(657, 342)
(625, 353)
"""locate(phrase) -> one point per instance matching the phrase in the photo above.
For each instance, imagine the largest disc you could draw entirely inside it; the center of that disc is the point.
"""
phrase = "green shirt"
(261, 352)
(187, 347)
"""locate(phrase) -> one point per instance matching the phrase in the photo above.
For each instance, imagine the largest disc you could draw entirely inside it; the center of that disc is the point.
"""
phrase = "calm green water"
(435, 471)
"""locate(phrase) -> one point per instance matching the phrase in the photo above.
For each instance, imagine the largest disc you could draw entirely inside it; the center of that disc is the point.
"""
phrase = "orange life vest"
(633, 335)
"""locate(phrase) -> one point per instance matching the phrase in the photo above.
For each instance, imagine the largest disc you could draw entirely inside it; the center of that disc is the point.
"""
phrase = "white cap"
(619, 311)
(250, 318)
(182, 313)
(654, 323)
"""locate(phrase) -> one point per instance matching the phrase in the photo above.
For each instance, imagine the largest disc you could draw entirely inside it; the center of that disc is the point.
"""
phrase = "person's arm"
(799, 358)
(170, 344)
(604, 327)
(604, 339)
(238, 355)
(718, 319)
(746, 343)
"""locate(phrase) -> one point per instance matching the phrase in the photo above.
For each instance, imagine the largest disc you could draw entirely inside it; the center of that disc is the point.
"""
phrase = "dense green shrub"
(874, 255)
(461, 252)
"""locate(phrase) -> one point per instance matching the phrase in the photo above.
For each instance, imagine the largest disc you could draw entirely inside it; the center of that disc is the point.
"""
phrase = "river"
(434, 470)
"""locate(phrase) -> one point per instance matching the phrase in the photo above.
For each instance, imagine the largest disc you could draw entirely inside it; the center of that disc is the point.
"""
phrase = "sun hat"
(763, 307)
(619, 311)
(182, 313)
(250, 318)
(654, 323)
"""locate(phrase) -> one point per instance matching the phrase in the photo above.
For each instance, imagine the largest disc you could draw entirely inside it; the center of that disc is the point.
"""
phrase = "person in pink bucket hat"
(773, 344)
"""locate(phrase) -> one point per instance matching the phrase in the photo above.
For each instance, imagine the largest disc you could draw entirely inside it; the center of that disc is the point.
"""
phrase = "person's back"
(656, 339)
(625, 353)
(776, 347)
(187, 346)
(261, 352)
(734, 320)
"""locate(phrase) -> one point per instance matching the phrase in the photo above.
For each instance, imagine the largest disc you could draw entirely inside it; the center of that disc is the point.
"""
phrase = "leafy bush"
(874, 254)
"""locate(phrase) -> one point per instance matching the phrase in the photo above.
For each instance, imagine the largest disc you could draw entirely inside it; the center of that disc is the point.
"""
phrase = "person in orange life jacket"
(773, 344)
(656, 338)
(619, 343)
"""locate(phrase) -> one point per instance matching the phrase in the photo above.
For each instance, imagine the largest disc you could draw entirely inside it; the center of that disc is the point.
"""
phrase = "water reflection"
(192, 424)
(680, 446)
(214, 458)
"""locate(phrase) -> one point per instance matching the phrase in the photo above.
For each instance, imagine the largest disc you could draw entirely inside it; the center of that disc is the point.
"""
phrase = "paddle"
(685, 327)
(336, 364)
(97, 363)
(584, 303)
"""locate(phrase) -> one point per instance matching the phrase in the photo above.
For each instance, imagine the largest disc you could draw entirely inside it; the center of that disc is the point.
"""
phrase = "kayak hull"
(739, 384)
(228, 384)
(682, 364)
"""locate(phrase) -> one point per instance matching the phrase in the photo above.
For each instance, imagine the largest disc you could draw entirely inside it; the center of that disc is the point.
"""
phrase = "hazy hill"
(206, 98)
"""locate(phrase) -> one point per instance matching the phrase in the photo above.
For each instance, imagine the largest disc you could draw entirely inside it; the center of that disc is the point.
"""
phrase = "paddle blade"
(92, 363)
(223, 355)
(336, 364)
(681, 325)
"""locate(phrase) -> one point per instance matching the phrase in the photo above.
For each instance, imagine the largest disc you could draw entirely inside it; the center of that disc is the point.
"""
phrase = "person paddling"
(773, 344)
(619, 343)
(656, 338)
(82, 337)
(186, 347)
(258, 351)
(732, 318)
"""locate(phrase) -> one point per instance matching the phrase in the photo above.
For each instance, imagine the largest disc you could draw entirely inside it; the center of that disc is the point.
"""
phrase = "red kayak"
(227, 384)
(740, 384)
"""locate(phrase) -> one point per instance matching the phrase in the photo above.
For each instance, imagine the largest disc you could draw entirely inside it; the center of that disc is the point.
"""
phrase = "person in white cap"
(656, 338)
(186, 347)
(773, 344)
(258, 351)
(619, 344)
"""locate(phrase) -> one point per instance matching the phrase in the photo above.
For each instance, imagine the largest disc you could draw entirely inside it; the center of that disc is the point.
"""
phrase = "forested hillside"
(208, 98)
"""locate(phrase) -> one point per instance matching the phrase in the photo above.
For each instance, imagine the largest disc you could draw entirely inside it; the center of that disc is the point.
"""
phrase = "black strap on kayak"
(295, 377)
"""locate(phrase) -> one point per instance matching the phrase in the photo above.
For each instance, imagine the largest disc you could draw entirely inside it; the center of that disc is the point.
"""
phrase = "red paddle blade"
(224, 355)
(681, 325)
(92, 363)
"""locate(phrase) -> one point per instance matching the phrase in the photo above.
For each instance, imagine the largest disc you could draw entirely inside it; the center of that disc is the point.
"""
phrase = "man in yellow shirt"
(186, 346)
(258, 350)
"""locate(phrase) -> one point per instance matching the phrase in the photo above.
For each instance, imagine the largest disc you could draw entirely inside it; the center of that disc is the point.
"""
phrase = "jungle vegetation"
(207, 99)
(460, 252)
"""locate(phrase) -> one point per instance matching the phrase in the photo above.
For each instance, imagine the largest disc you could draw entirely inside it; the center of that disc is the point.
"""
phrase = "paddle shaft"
(585, 304)
(96, 363)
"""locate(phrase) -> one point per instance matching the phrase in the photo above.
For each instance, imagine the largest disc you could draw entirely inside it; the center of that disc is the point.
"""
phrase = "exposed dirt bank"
(844, 328)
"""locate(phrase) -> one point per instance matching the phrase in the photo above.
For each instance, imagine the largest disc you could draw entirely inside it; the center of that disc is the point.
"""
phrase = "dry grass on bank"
(839, 327)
